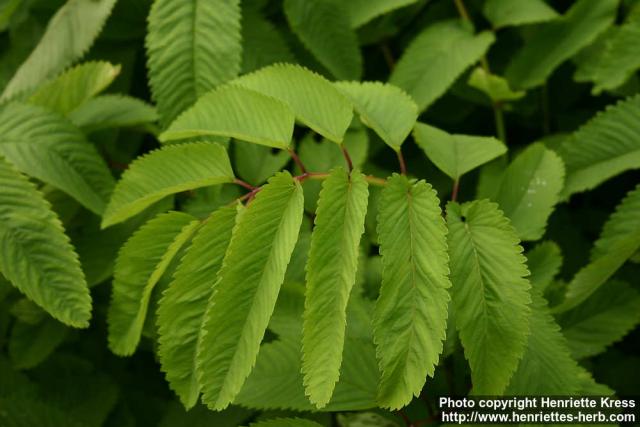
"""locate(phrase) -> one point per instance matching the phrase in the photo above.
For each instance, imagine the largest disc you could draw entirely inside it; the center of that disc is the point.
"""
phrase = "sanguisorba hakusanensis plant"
(268, 251)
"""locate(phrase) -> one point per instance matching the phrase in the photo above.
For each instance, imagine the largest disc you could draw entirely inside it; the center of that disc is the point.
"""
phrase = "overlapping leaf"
(112, 111)
(495, 87)
(46, 146)
(30, 344)
(410, 318)
(544, 262)
(192, 46)
(363, 11)
(262, 43)
(323, 27)
(605, 146)
(331, 274)
(386, 109)
(140, 264)
(435, 59)
(183, 305)
(490, 292)
(313, 99)
(36, 255)
(503, 13)
(69, 34)
(247, 288)
(164, 172)
(453, 154)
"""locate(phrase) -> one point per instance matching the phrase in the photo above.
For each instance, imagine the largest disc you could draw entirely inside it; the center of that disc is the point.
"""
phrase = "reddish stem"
(403, 165)
(347, 157)
(297, 161)
(244, 184)
(454, 192)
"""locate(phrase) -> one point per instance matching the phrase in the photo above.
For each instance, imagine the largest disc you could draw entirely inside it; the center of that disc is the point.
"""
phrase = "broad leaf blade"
(112, 111)
(182, 307)
(504, 13)
(247, 288)
(386, 109)
(454, 154)
(36, 255)
(544, 262)
(164, 172)
(331, 274)
(410, 318)
(192, 46)
(140, 264)
(490, 292)
(363, 11)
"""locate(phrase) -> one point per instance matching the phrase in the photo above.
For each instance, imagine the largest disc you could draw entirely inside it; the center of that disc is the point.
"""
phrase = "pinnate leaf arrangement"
(336, 210)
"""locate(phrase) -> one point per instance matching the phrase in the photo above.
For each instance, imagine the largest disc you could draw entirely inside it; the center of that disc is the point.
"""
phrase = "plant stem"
(244, 184)
(546, 118)
(388, 56)
(347, 157)
(403, 165)
(499, 116)
(462, 10)
(456, 187)
(297, 160)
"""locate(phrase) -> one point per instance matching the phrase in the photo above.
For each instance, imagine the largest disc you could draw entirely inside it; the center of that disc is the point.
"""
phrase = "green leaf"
(605, 146)
(262, 43)
(435, 59)
(193, 46)
(36, 255)
(386, 109)
(577, 28)
(166, 171)
(313, 99)
(323, 27)
(612, 59)
(69, 35)
(235, 112)
(529, 190)
(75, 86)
(505, 13)
(490, 292)
(201, 416)
(410, 318)
(141, 262)
(255, 163)
(546, 367)
(544, 262)
(455, 154)
(248, 284)
(29, 345)
(182, 307)
(112, 111)
(363, 11)
(285, 422)
(623, 222)
(331, 274)
(495, 87)
(46, 146)
(604, 318)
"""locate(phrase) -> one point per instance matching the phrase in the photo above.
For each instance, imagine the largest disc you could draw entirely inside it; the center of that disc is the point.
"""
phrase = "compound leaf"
(490, 292)
(410, 318)
(166, 171)
(331, 274)
(36, 255)
(247, 288)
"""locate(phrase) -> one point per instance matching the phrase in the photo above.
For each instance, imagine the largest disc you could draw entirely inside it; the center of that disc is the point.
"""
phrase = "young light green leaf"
(454, 154)
(363, 11)
(312, 98)
(612, 59)
(605, 146)
(247, 288)
(547, 352)
(410, 319)
(331, 274)
(74, 87)
(529, 190)
(166, 171)
(140, 264)
(193, 46)
(544, 262)
(577, 28)
(386, 109)
(604, 318)
(112, 111)
(490, 292)
(435, 59)
(286, 422)
(505, 13)
(69, 34)
(36, 255)
(182, 307)
(623, 222)
(495, 87)
(323, 27)
(236, 112)
(46, 146)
